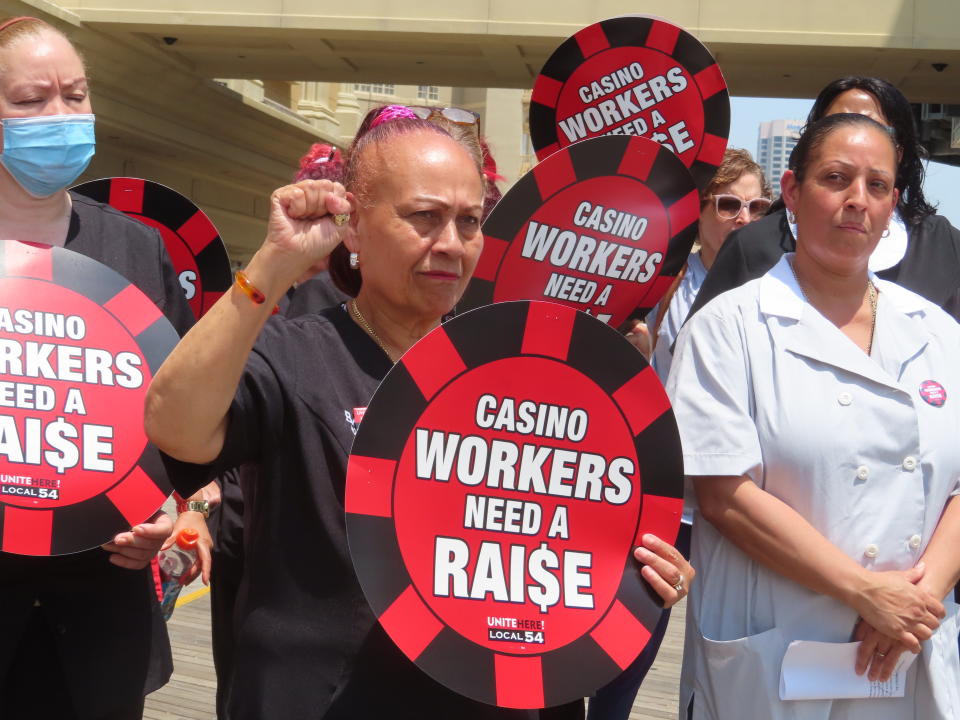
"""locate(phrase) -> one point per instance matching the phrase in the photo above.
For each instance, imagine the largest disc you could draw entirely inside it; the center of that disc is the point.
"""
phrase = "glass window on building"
(428, 92)
(375, 88)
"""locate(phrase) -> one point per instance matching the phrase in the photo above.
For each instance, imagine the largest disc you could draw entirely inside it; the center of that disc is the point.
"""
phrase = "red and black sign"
(634, 75)
(603, 226)
(78, 347)
(503, 473)
(198, 254)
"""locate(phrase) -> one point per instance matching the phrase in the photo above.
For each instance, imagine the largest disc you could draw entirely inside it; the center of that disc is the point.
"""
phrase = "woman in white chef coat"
(819, 410)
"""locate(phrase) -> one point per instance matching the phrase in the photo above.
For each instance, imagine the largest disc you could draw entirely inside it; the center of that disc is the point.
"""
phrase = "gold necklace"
(872, 295)
(355, 311)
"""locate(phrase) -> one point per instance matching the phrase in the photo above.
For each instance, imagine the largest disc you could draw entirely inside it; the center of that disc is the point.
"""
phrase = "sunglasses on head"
(730, 206)
(460, 116)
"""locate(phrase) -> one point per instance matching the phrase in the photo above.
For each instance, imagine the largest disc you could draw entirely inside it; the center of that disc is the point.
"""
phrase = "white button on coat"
(844, 398)
(871, 550)
(909, 463)
(863, 472)
(915, 541)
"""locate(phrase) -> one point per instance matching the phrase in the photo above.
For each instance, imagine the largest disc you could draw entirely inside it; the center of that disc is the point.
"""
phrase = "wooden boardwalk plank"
(190, 694)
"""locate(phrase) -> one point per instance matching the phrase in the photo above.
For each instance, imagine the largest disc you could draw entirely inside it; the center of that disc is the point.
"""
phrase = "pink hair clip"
(392, 112)
(14, 21)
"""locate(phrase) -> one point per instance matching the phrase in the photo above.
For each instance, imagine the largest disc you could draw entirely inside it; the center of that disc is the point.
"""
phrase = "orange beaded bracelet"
(243, 282)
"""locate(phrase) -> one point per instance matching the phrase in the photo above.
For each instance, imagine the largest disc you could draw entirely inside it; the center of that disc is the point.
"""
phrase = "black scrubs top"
(930, 267)
(109, 634)
(308, 645)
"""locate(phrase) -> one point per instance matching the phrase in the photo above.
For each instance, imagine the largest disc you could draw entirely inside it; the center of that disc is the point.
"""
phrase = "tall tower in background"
(775, 142)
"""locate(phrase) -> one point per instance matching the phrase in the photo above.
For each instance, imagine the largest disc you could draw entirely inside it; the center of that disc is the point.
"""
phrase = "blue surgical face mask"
(45, 154)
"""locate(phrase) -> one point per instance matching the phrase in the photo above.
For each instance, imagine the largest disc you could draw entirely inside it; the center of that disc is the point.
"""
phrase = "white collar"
(780, 294)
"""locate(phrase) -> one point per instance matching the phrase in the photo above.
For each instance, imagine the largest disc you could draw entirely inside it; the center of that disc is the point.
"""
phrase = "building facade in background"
(775, 141)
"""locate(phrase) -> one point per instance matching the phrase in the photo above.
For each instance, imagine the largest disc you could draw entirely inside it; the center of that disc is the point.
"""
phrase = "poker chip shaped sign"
(634, 75)
(78, 347)
(504, 471)
(198, 254)
(604, 226)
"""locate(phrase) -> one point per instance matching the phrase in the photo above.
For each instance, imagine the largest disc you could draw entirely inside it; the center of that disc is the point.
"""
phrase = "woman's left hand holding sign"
(665, 568)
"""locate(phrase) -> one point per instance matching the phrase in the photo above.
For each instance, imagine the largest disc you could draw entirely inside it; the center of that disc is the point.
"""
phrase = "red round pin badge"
(634, 75)
(603, 226)
(933, 393)
(78, 347)
(504, 471)
(198, 254)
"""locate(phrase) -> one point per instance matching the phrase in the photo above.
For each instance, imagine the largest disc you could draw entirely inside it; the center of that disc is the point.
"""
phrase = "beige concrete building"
(219, 98)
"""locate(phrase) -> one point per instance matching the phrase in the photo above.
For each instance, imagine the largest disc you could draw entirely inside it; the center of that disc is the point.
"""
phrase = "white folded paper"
(826, 671)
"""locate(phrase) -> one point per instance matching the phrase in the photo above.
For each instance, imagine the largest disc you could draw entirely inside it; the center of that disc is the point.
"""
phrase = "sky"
(942, 185)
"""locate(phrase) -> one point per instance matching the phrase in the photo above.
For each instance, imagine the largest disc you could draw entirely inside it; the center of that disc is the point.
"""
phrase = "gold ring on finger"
(679, 585)
(341, 219)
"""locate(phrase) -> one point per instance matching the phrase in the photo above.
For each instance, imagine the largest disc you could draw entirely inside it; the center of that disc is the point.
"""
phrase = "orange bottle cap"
(187, 538)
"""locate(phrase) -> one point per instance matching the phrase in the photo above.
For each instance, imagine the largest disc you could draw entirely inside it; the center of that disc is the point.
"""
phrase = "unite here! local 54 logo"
(505, 469)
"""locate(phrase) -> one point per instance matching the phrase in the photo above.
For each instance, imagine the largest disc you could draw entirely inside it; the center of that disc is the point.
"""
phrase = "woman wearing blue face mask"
(68, 623)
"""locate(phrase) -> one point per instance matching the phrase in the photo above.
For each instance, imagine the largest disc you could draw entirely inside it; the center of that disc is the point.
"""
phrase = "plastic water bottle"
(174, 562)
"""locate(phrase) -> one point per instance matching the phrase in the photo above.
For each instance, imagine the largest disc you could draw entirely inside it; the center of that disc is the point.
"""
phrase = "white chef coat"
(677, 313)
(763, 385)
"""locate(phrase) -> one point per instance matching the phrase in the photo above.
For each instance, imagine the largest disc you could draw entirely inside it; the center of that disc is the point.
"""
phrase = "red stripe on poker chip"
(546, 92)
(592, 40)
(642, 399)
(519, 681)
(29, 260)
(126, 195)
(27, 532)
(370, 490)
(133, 309)
(432, 369)
(614, 632)
(663, 37)
(137, 496)
(637, 160)
(548, 150)
(684, 212)
(712, 150)
(710, 81)
(410, 623)
(198, 232)
(548, 330)
(553, 179)
(489, 263)
(659, 516)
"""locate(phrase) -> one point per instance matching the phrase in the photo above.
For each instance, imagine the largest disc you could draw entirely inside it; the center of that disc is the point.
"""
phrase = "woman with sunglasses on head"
(288, 395)
(921, 252)
(82, 634)
(818, 417)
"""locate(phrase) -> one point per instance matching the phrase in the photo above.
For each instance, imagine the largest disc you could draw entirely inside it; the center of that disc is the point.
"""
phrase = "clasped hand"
(897, 615)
